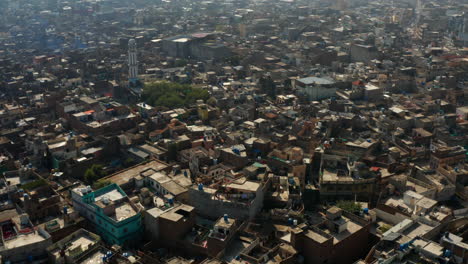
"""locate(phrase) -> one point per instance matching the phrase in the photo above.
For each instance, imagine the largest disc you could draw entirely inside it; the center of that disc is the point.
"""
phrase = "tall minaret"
(132, 61)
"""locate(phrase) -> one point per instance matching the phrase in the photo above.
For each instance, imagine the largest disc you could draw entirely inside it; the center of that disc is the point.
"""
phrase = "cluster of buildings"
(334, 132)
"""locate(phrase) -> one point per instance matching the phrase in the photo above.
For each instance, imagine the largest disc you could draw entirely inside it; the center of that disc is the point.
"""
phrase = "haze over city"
(234, 131)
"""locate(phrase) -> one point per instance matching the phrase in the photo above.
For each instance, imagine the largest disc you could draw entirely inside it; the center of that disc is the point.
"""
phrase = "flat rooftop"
(416, 229)
(94, 258)
(160, 177)
(23, 240)
(82, 241)
(174, 215)
(113, 195)
(173, 187)
(329, 175)
(319, 238)
(222, 223)
(316, 80)
(125, 176)
(123, 211)
(352, 227)
(246, 186)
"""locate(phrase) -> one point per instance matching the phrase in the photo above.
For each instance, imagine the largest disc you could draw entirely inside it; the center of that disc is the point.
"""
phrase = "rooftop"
(75, 243)
(316, 80)
(316, 236)
(123, 211)
(112, 195)
(23, 240)
(125, 176)
(177, 213)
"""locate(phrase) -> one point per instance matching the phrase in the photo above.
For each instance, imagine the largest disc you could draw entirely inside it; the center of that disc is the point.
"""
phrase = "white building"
(132, 61)
(316, 88)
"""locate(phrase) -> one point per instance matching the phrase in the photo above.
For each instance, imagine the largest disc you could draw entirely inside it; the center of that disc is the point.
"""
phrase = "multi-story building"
(443, 155)
(73, 247)
(341, 238)
(114, 216)
(20, 241)
(240, 198)
(316, 88)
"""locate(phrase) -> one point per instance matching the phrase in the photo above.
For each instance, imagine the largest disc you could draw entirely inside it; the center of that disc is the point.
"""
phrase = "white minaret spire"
(132, 61)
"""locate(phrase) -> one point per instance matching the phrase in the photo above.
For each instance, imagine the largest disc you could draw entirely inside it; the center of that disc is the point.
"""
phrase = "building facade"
(114, 216)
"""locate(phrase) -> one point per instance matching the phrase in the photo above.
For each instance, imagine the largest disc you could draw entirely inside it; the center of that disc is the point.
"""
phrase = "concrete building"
(444, 155)
(197, 45)
(243, 200)
(115, 217)
(41, 202)
(316, 88)
(341, 238)
(164, 226)
(363, 53)
(73, 247)
(21, 241)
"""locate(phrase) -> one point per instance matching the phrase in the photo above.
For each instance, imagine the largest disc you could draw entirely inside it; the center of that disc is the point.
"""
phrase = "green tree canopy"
(349, 206)
(94, 173)
(169, 94)
(101, 184)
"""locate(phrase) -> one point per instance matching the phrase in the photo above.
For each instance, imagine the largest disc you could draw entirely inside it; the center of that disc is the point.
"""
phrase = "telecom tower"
(132, 62)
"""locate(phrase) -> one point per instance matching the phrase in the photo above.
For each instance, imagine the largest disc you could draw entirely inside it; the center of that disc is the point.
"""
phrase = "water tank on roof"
(105, 200)
(447, 253)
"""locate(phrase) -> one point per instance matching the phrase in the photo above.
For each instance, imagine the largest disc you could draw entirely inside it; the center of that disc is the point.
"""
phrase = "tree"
(180, 63)
(101, 184)
(171, 95)
(211, 101)
(94, 173)
(349, 206)
(129, 162)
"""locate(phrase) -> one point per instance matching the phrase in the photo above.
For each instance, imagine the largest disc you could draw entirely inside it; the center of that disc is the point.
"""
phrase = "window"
(125, 230)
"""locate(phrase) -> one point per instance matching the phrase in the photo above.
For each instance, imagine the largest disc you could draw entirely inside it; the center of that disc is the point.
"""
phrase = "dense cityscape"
(234, 131)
